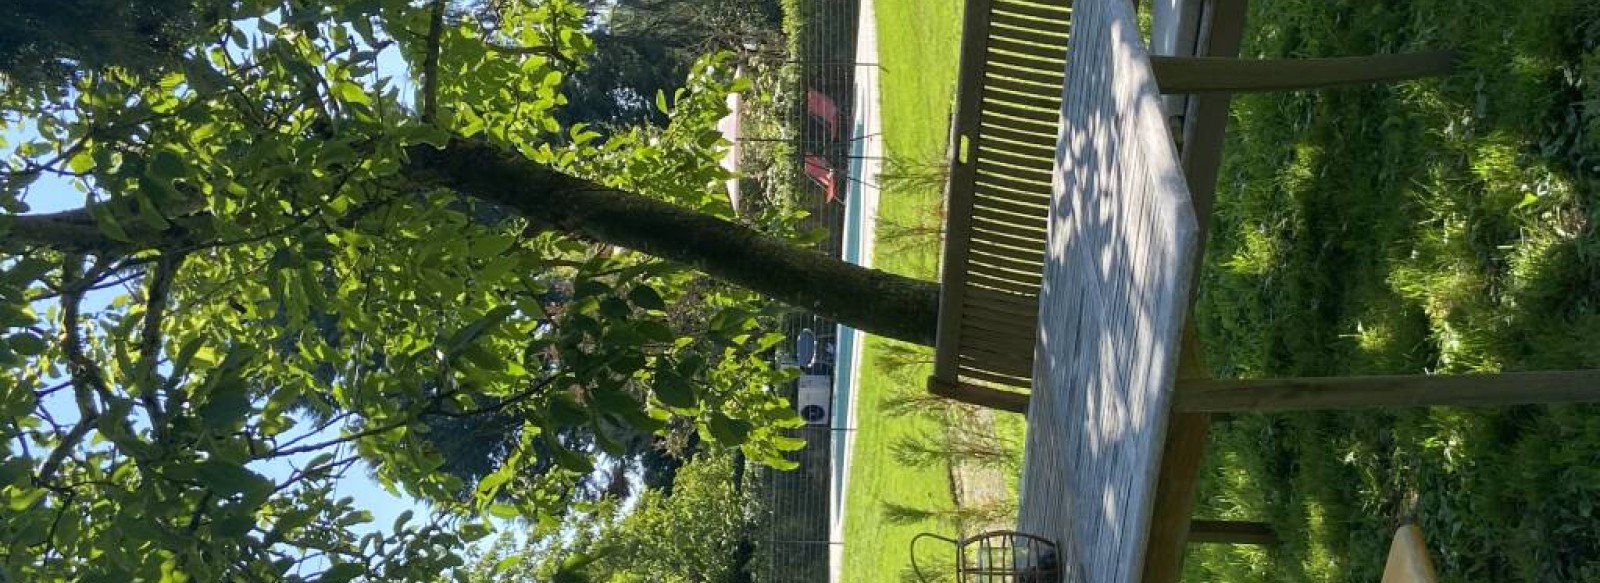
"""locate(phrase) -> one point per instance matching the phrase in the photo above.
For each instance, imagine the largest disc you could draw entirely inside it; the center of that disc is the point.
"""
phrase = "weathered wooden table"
(1112, 365)
(1121, 249)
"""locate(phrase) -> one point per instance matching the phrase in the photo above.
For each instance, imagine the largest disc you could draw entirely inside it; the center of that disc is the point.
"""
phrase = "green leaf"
(661, 101)
(728, 431)
(590, 288)
(655, 331)
(571, 461)
(342, 572)
(615, 309)
(166, 165)
(489, 246)
(27, 344)
(504, 511)
(82, 162)
(673, 390)
(508, 562)
(471, 332)
(400, 521)
(353, 93)
(646, 297)
(226, 406)
(229, 478)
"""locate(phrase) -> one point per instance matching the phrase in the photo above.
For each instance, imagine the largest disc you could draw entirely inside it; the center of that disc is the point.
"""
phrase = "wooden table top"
(1115, 294)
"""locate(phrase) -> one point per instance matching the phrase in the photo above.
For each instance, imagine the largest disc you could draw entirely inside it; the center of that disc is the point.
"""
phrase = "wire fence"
(792, 538)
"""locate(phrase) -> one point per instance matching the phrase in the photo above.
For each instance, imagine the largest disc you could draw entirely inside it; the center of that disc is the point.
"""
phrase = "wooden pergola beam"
(1229, 75)
(1361, 392)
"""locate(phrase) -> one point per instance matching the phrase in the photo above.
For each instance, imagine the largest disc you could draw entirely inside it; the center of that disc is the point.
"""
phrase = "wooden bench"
(1002, 148)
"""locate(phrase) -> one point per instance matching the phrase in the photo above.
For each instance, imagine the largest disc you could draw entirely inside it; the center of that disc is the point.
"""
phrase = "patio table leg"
(1178, 478)
(1357, 392)
(1222, 74)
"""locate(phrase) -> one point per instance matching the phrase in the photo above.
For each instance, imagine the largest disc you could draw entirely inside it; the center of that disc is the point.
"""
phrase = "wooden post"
(981, 396)
(1213, 74)
(1475, 390)
(1219, 31)
(1232, 533)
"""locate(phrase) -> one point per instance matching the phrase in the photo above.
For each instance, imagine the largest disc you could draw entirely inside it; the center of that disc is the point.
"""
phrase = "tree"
(645, 47)
(691, 535)
(319, 273)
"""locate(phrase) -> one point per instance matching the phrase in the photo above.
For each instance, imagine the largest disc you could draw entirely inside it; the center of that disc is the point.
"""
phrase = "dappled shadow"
(1112, 306)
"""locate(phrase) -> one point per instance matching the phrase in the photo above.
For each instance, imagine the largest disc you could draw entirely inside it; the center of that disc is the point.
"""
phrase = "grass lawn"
(1446, 225)
(917, 45)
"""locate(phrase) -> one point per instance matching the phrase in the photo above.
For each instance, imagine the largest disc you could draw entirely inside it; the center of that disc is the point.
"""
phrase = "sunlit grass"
(917, 50)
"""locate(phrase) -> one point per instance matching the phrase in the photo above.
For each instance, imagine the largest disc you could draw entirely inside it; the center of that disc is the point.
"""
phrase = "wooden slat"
(1002, 325)
(990, 247)
(1475, 390)
(1008, 340)
(1020, 125)
(1025, 226)
(985, 280)
(994, 107)
(980, 396)
(1208, 74)
(1054, 13)
(999, 363)
(984, 313)
(994, 192)
(1013, 376)
(1010, 136)
(1011, 230)
(1005, 214)
(1022, 243)
(1007, 178)
(1012, 202)
(1000, 321)
(1057, 28)
(998, 143)
(1022, 68)
(1015, 305)
(1042, 69)
(1008, 273)
(1008, 263)
(1021, 162)
(1005, 94)
(1013, 28)
(991, 83)
(1039, 56)
(1005, 327)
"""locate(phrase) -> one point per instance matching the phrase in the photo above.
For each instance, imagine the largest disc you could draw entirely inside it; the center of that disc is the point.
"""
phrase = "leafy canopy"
(254, 298)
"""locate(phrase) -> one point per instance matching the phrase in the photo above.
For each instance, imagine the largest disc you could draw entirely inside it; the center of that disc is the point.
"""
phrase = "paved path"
(861, 220)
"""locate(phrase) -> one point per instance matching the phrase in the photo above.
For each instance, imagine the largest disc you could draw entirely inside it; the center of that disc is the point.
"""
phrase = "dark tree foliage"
(44, 43)
(643, 47)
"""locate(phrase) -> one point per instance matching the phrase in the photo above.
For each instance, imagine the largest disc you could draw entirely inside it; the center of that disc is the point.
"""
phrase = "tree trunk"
(866, 299)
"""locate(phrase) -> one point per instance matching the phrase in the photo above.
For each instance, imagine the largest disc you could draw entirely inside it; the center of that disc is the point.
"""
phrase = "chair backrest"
(1408, 560)
(1002, 150)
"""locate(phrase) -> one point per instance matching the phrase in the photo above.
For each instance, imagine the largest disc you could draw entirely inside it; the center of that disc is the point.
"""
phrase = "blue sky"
(55, 193)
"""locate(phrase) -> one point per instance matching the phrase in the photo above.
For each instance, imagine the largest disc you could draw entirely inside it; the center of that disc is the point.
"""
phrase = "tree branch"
(430, 64)
(85, 376)
(871, 300)
(71, 231)
(150, 336)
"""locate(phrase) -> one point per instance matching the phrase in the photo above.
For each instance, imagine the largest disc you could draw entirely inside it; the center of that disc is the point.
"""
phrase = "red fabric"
(821, 106)
(823, 174)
